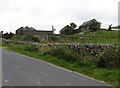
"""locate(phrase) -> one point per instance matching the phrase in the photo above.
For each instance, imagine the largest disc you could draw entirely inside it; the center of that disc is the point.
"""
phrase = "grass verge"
(109, 76)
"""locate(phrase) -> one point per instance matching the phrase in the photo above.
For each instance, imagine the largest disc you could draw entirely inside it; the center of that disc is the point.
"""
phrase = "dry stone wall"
(91, 49)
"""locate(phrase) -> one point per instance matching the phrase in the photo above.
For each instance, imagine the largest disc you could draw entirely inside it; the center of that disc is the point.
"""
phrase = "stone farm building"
(26, 31)
(91, 25)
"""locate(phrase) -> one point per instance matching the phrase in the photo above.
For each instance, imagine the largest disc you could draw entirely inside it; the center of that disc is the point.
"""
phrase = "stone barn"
(26, 31)
(91, 25)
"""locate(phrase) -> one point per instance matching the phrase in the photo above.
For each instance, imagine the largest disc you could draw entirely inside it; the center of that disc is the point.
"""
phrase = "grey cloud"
(44, 13)
(6, 7)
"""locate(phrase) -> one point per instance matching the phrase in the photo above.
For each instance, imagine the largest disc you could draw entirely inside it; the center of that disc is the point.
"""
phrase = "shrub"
(31, 38)
(70, 55)
(53, 38)
(18, 38)
(109, 59)
(65, 54)
(31, 47)
(8, 35)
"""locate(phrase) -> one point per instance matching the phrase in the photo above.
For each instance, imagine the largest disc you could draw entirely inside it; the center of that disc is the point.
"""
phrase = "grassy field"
(102, 37)
(110, 76)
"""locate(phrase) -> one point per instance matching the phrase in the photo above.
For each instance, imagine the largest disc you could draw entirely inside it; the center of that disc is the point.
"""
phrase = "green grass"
(2, 47)
(18, 37)
(98, 37)
(109, 76)
(101, 36)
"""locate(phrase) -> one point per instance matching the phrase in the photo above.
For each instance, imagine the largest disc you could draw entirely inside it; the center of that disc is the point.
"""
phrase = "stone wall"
(91, 49)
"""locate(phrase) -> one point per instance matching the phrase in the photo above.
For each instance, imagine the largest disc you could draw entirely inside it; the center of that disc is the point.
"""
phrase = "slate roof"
(89, 22)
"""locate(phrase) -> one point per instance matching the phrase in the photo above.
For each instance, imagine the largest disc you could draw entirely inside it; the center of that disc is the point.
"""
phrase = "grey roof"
(89, 22)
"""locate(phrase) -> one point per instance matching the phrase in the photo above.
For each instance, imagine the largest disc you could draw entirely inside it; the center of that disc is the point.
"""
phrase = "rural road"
(20, 70)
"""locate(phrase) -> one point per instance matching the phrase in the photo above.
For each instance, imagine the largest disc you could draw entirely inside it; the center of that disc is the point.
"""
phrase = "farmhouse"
(91, 25)
(30, 31)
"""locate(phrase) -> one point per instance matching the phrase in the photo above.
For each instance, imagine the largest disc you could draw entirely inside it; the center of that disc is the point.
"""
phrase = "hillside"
(102, 37)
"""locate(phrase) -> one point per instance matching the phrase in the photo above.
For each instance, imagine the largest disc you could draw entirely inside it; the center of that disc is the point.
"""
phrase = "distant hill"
(116, 27)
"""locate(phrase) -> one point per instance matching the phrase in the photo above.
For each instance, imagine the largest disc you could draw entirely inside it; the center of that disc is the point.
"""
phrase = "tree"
(7, 35)
(73, 25)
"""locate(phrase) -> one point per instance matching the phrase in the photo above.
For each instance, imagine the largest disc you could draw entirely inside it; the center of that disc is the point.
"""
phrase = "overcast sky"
(42, 14)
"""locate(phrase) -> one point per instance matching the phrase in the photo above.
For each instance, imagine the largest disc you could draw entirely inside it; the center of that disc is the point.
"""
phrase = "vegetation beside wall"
(109, 59)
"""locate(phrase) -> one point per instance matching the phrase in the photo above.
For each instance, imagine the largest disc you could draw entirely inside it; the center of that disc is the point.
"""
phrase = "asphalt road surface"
(20, 70)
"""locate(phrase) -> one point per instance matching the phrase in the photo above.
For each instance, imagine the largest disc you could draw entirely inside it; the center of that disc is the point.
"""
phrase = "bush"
(8, 35)
(65, 54)
(53, 38)
(109, 59)
(68, 55)
(31, 47)
(31, 39)
(17, 38)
